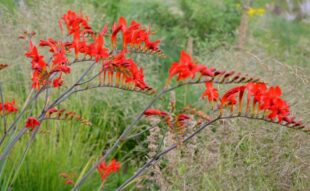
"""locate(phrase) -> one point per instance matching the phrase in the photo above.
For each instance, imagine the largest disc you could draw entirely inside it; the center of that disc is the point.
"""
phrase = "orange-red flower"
(8, 107)
(181, 120)
(37, 61)
(105, 170)
(229, 96)
(187, 68)
(97, 50)
(126, 71)
(116, 28)
(75, 22)
(42, 70)
(133, 35)
(262, 98)
(32, 123)
(210, 92)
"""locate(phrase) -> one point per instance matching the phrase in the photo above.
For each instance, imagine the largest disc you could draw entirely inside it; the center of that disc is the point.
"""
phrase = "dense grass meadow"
(235, 154)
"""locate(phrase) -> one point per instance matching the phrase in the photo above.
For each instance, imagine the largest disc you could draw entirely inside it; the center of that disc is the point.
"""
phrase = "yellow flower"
(256, 11)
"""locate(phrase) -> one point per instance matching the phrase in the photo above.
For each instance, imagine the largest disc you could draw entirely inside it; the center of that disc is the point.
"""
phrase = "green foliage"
(289, 40)
(7, 4)
(210, 22)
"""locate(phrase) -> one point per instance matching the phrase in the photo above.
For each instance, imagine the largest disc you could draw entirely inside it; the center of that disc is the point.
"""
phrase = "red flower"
(270, 97)
(69, 182)
(75, 22)
(152, 45)
(116, 28)
(257, 91)
(155, 112)
(133, 35)
(37, 62)
(51, 111)
(137, 77)
(185, 68)
(268, 100)
(126, 70)
(97, 50)
(9, 107)
(210, 92)
(204, 71)
(32, 123)
(229, 96)
(39, 67)
(279, 109)
(181, 120)
(41, 70)
(57, 82)
(105, 170)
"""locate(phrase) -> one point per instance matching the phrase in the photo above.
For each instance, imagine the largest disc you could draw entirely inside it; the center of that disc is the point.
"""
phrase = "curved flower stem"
(35, 131)
(67, 92)
(12, 143)
(3, 115)
(174, 146)
(159, 155)
(26, 104)
(118, 141)
(41, 117)
(128, 128)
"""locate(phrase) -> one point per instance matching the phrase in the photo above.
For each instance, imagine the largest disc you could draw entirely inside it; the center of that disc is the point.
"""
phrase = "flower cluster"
(260, 98)
(105, 170)
(44, 72)
(8, 107)
(133, 35)
(125, 70)
(90, 44)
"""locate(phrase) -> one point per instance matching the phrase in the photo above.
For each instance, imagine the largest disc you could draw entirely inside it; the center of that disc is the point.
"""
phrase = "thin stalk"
(128, 128)
(174, 146)
(26, 104)
(58, 100)
(4, 118)
(41, 117)
(159, 155)
(118, 141)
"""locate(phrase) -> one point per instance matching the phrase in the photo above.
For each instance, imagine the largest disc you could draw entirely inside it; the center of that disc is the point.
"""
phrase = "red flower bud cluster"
(178, 121)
